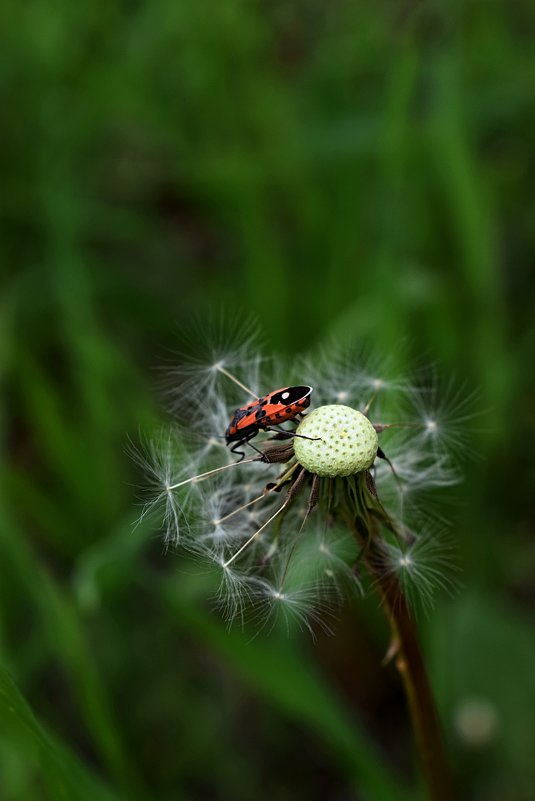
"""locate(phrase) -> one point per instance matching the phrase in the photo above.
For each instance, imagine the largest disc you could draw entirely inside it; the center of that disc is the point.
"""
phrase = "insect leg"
(237, 445)
(247, 441)
(254, 448)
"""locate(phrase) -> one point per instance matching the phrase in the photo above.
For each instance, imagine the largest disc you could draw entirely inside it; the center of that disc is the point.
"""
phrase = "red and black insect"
(265, 414)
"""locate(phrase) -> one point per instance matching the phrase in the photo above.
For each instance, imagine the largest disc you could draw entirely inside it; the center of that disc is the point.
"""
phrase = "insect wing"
(290, 396)
(285, 403)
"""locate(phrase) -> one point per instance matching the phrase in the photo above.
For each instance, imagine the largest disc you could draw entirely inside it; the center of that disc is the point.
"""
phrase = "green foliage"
(56, 769)
(347, 169)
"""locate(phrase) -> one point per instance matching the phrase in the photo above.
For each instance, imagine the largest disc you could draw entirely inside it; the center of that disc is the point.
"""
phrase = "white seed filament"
(209, 473)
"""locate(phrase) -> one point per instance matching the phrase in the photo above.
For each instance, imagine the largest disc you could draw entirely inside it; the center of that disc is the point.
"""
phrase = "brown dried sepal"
(276, 452)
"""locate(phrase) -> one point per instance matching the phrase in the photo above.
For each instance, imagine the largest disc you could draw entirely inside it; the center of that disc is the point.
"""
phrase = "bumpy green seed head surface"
(347, 441)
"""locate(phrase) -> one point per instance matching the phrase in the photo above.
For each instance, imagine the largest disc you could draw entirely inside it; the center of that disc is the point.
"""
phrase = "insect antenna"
(281, 433)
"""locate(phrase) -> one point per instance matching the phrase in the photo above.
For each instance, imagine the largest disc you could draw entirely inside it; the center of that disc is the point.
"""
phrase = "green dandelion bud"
(342, 442)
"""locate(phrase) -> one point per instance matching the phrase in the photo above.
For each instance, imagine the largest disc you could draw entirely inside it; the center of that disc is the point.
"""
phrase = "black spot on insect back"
(260, 414)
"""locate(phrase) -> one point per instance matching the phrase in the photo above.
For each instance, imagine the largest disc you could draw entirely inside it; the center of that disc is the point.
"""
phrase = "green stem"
(362, 516)
(411, 667)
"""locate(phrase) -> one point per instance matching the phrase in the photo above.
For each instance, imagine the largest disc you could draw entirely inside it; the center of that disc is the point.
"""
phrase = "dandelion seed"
(221, 369)
(422, 567)
(208, 473)
(215, 357)
(239, 509)
(255, 535)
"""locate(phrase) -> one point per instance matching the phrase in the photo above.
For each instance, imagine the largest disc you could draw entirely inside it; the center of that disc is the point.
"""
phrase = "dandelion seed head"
(269, 557)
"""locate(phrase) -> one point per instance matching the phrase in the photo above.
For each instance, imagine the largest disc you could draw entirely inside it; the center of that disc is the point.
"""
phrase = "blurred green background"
(360, 169)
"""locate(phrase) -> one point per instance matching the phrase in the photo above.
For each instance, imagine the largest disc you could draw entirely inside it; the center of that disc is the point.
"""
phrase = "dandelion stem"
(239, 383)
(410, 664)
(424, 716)
(208, 473)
